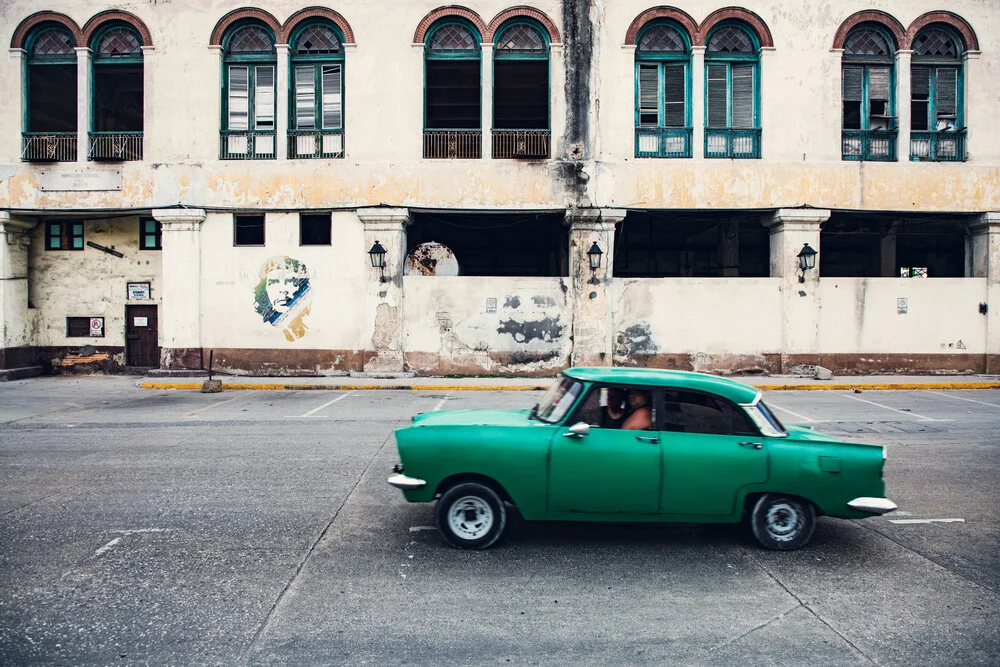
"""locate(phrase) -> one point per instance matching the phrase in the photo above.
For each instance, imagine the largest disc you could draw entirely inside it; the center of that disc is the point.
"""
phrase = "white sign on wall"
(138, 291)
(140, 321)
(97, 327)
(79, 181)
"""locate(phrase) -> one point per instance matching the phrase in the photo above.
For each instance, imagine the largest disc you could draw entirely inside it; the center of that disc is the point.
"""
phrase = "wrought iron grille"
(116, 146)
(246, 145)
(48, 147)
(947, 146)
(732, 143)
(663, 141)
(869, 145)
(521, 144)
(453, 144)
(303, 144)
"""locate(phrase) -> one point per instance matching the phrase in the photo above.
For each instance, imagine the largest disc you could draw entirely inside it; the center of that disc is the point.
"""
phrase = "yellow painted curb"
(876, 386)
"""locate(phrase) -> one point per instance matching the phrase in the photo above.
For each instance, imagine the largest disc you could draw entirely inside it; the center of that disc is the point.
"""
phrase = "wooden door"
(141, 336)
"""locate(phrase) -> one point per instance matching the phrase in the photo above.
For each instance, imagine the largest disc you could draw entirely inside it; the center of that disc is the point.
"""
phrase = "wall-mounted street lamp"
(594, 256)
(377, 255)
(807, 260)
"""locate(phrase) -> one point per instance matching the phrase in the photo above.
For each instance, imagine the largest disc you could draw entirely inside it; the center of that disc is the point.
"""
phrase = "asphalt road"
(173, 527)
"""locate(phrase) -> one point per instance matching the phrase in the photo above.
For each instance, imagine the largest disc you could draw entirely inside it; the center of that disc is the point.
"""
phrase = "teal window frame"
(429, 55)
(252, 62)
(150, 234)
(96, 61)
(502, 56)
(866, 134)
(931, 139)
(662, 59)
(317, 62)
(734, 134)
(64, 236)
(35, 61)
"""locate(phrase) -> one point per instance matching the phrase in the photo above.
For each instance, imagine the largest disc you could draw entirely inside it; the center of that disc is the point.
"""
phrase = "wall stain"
(543, 300)
(512, 302)
(547, 330)
(636, 339)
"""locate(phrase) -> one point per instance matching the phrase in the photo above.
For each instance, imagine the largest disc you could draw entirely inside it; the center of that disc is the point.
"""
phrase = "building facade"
(500, 189)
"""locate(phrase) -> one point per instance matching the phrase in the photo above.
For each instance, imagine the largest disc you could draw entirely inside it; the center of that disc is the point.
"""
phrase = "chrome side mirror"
(578, 430)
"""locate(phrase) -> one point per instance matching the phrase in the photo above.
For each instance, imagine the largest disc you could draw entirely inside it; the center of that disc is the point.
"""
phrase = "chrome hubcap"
(783, 521)
(470, 517)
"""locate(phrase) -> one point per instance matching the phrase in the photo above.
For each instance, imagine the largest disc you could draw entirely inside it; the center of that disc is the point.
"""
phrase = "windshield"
(770, 416)
(558, 400)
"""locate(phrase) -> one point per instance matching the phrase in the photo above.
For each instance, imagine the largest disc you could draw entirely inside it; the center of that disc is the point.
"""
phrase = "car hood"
(806, 433)
(474, 418)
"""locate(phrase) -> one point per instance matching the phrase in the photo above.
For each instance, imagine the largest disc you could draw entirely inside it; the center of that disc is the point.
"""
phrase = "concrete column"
(698, 119)
(180, 316)
(730, 249)
(82, 104)
(979, 116)
(593, 326)
(790, 230)
(281, 102)
(888, 268)
(384, 300)
(984, 256)
(148, 99)
(903, 60)
(16, 321)
(487, 100)
(557, 101)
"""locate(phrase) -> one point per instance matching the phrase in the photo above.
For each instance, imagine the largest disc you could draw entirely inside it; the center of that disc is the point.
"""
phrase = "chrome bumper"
(873, 505)
(406, 483)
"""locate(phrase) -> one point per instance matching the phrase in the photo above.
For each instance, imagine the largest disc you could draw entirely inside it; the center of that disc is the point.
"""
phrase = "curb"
(276, 386)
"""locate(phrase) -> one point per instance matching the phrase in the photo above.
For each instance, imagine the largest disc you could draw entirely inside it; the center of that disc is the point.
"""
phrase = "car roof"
(654, 377)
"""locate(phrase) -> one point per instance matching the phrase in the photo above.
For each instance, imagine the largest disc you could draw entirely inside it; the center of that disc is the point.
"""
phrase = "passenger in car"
(641, 418)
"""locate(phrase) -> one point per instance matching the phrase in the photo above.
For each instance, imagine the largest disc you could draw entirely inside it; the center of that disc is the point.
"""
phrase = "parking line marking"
(794, 414)
(209, 407)
(415, 529)
(107, 547)
(902, 412)
(926, 520)
(961, 398)
(440, 404)
(326, 405)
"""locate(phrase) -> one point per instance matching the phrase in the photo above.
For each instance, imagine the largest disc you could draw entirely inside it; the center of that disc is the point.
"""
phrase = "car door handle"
(752, 445)
(647, 438)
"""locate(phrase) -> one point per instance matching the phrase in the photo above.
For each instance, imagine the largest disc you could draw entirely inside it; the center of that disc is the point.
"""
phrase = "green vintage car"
(617, 444)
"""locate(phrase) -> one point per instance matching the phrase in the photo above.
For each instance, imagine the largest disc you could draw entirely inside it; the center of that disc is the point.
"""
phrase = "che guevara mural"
(282, 297)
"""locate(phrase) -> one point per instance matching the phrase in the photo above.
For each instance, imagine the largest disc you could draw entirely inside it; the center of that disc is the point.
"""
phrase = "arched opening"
(452, 91)
(868, 91)
(663, 91)
(50, 119)
(521, 91)
(117, 94)
(248, 109)
(317, 109)
(732, 92)
(937, 114)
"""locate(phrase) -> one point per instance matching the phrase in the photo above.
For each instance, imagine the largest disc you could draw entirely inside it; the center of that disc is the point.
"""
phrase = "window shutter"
(332, 106)
(920, 83)
(239, 99)
(743, 96)
(264, 99)
(674, 94)
(852, 84)
(878, 83)
(718, 94)
(649, 95)
(946, 93)
(305, 98)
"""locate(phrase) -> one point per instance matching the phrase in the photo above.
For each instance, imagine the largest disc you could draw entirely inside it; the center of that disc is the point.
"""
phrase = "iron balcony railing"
(246, 145)
(663, 141)
(315, 144)
(732, 142)
(869, 145)
(453, 144)
(943, 146)
(48, 146)
(115, 146)
(522, 144)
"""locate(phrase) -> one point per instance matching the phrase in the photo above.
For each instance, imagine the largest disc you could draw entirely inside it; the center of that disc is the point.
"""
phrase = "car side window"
(627, 408)
(694, 412)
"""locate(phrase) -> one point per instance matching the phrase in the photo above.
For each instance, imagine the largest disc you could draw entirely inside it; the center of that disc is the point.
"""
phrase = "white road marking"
(926, 520)
(414, 529)
(107, 547)
(960, 398)
(771, 404)
(327, 404)
(209, 407)
(133, 531)
(902, 412)
(440, 404)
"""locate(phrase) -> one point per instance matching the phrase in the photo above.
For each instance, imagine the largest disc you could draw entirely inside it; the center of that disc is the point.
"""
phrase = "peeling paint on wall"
(283, 296)
(635, 340)
(548, 330)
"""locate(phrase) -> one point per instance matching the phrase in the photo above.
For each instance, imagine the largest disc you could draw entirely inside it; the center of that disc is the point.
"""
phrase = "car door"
(710, 450)
(607, 470)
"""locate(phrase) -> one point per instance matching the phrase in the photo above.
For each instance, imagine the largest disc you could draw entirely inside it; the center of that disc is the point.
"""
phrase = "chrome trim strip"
(874, 505)
(406, 483)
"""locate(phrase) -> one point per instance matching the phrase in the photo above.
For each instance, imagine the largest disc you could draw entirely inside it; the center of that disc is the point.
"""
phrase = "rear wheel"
(782, 523)
(470, 516)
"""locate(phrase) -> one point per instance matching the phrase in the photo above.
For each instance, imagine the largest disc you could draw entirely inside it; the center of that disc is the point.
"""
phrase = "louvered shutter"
(718, 96)
(920, 91)
(264, 98)
(946, 92)
(305, 98)
(743, 96)
(852, 84)
(332, 99)
(674, 94)
(878, 83)
(239, 98)
(649, 95)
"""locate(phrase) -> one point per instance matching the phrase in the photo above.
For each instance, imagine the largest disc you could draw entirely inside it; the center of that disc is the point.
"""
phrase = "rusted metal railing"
(522, 144)
(48, 146)
(115, 146)
(453, 144)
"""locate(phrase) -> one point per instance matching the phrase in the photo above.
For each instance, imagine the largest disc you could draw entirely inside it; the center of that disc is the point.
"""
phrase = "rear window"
(769, 416)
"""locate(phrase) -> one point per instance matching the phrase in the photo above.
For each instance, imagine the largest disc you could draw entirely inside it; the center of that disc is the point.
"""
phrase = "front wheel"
(782, 523)
(470, 516)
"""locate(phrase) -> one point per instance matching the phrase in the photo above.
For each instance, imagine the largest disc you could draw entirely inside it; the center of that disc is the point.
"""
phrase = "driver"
(641, 417)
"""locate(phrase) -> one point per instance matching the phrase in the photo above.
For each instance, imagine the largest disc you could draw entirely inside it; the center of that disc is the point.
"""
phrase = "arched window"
(521, 91)
(50, 96)
(732, 85)
(116, 93)
(869, 105)
(317, 114)
(663, 84)
(452, 91)
(248, 110)
(937, 123)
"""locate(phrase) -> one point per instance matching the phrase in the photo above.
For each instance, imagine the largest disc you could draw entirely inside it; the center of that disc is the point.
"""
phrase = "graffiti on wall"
(282, 297)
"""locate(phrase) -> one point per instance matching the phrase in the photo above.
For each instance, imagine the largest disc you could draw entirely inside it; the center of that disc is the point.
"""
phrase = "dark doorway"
(142, 347)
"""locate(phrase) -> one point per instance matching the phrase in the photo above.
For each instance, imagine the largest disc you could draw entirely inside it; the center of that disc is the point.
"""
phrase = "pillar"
(384, 300)
(698, 119)
(83, 55)
(888, 248)
(487, 100)
(16, 325)
(557, 102)
(790, 230)
(281, 102)
(984, 256)
(903, 59)
(593, 325)
(180, 318)
(149, 102)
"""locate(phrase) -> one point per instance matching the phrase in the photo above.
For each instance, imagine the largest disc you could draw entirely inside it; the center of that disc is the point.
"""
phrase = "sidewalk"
(765, 383)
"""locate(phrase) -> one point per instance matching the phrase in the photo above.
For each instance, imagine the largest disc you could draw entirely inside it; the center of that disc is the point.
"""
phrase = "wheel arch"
(751, 498)
(461, 478)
